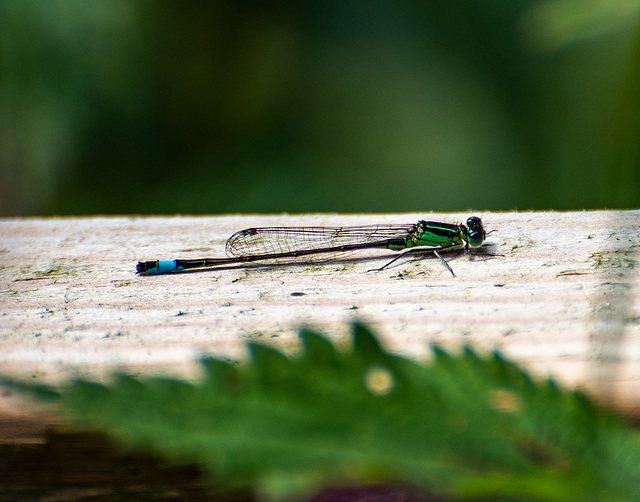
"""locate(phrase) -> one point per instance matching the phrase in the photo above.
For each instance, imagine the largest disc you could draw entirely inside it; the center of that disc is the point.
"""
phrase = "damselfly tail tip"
(144, 267)
(158, 267)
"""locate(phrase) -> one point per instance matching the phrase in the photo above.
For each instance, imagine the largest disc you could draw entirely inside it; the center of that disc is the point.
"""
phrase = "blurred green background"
(136, 106)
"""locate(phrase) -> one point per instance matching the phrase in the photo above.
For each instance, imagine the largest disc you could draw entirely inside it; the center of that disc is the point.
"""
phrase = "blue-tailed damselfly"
(295, 243)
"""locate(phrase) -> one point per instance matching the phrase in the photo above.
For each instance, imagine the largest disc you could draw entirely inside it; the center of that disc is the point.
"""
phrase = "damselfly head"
(474, 231)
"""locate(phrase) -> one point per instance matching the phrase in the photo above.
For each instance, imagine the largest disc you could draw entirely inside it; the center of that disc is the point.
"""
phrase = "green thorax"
(443, 235)
(437, 234)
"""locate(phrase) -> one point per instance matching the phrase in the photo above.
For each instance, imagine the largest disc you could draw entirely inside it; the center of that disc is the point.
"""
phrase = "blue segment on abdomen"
(164, 266)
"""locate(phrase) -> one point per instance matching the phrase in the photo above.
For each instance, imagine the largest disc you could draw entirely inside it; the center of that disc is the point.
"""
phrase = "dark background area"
(134, 106)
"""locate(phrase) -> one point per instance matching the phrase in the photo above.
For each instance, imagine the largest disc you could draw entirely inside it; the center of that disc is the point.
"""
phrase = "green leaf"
(366, 345)
(37, 391)
(461, 425)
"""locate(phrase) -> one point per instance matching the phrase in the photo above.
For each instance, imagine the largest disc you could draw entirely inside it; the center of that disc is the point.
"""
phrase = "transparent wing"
(274, 240)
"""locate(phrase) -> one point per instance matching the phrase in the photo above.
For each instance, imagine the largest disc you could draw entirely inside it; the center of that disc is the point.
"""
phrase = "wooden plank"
(563, 300)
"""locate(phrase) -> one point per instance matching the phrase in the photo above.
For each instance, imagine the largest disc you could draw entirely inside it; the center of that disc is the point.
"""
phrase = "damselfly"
(300, 243)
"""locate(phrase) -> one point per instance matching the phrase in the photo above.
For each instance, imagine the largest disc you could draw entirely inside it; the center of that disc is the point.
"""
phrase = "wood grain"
(563, 300)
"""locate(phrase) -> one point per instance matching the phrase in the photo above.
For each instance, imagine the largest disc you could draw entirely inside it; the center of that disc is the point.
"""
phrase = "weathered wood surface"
(563, 300)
